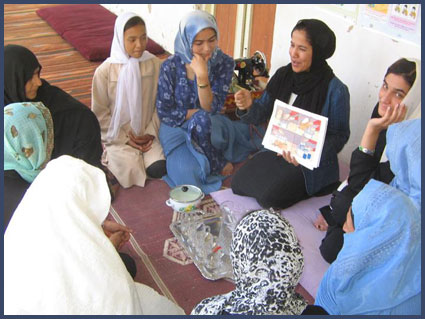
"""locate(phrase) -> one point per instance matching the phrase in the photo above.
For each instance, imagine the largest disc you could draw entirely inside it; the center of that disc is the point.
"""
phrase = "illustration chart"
(298, 131)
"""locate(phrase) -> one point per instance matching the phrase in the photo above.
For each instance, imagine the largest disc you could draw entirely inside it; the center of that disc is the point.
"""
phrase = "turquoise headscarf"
(193, 23)
(28, 138)
(378, 270)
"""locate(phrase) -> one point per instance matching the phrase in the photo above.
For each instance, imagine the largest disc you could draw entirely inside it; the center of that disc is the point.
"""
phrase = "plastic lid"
(185, 193)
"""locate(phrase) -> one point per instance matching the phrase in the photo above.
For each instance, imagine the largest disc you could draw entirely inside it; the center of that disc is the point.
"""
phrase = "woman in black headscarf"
(76, 129)
(309, 83)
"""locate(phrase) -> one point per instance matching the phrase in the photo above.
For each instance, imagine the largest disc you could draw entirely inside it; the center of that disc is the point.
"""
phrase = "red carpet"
(161, 263)
(144, 210)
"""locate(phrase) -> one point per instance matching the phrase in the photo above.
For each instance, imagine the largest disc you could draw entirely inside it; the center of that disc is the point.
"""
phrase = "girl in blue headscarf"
(192, 87)
(378, 270)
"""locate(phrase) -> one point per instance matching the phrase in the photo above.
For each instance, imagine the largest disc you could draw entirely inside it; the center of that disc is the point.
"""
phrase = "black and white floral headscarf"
(267, 264)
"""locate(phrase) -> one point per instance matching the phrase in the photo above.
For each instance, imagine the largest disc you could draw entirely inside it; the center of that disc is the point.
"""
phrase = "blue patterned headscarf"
(193, 23)
(378, 270)
(28, 138)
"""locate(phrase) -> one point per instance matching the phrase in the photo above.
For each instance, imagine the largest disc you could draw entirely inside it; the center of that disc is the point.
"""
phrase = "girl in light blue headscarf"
(378, 271)
(28, 138)
(199, 143)
(189, 27)
(28, 144)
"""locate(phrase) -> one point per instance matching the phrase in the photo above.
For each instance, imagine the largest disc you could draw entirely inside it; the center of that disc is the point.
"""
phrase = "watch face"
(366, 151)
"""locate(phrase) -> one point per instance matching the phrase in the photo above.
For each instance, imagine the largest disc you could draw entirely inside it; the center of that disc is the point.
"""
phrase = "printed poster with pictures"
(399, 21)
(298, 131)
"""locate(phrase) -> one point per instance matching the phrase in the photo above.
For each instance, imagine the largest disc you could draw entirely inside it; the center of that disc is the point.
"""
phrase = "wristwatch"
(366, 151)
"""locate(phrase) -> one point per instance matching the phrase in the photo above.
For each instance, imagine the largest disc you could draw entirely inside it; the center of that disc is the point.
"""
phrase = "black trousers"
(271, 180)
(129, 263)
(314, 310)
(332, 243)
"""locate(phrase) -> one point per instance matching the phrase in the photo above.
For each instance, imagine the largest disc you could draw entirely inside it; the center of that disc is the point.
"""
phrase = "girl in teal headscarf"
(28, 138)
(28, 145)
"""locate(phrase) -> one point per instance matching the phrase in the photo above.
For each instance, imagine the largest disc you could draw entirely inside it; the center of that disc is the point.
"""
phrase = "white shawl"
(412, 100)
(128, 100)
(57, 259)
(413, 97)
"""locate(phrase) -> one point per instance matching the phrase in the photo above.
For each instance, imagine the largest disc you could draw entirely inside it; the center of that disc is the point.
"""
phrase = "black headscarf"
(19, 66)
(310, 86)
(76, 128)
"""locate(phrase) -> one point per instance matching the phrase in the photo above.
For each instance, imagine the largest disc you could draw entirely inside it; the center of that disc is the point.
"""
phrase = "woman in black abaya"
(76, 129)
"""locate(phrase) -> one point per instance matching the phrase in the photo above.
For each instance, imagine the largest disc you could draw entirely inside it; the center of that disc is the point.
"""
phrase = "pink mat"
(301, 216)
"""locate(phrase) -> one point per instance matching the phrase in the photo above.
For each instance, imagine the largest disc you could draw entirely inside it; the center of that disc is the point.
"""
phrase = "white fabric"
(128, 100)
(292, 98)
(57, 258)
(412, 100)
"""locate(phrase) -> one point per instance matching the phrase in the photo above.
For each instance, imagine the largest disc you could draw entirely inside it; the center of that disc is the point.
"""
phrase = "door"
(262, 27)
(246, 28)
(225, 15)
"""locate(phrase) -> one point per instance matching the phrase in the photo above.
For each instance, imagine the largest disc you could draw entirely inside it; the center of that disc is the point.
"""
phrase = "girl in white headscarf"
(58, 259)
(123, 99)
(399, 99)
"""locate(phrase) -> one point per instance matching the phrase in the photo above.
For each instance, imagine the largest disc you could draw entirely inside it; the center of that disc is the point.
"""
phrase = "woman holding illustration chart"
(309, 83)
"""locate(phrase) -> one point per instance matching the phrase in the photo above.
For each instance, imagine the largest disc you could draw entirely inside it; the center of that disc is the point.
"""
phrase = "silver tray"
(198, 234)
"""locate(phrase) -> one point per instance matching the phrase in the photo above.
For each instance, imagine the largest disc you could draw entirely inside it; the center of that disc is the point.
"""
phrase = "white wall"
(162, 20)
(360, 60)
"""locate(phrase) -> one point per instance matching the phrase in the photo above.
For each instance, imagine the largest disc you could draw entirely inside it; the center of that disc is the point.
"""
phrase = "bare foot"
(227, 169)
(321, 223)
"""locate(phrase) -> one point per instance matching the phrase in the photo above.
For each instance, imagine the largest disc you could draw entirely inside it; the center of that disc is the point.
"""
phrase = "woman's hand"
(391, 116)
(110, 227)
(118, 239)
(290, 159)
(118, 234)
(190, 113)
(243, 100)
(376, 125)
(199, 65)
(142, 143)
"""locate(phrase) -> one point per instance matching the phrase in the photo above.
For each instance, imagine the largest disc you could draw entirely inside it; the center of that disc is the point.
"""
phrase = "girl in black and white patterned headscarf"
(267, 264)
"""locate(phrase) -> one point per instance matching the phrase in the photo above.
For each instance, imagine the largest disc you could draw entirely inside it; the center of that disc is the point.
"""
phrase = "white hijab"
(412, 100)
(57, 259)
(128, 100)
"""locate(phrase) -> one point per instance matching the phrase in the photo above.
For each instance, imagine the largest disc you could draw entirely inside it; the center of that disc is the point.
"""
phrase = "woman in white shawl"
(58, 259)
(123, 99)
